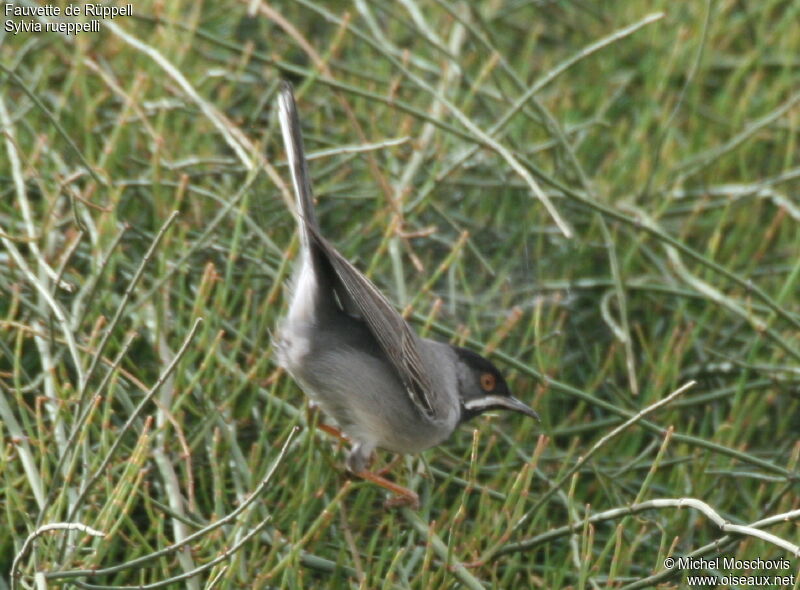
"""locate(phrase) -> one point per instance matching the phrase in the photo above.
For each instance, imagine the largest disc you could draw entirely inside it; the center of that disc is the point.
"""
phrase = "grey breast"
(344, 370)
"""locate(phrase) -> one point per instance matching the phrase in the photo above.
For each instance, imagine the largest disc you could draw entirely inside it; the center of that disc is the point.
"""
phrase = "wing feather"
(356, 293)
(394, 335)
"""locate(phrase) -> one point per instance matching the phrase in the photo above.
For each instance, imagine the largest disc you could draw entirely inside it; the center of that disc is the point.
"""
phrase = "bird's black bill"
(500, 402)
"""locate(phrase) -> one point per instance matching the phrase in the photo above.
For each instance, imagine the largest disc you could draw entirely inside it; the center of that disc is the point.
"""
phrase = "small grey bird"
(356, 357)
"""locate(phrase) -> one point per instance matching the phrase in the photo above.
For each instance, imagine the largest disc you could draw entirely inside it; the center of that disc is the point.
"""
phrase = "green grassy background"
(668, 145)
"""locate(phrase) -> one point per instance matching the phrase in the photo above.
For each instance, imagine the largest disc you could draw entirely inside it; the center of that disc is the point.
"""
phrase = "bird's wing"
(396, 339)
(356, 293)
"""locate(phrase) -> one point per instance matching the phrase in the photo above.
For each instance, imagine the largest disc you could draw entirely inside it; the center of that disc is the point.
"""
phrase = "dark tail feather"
(293, 143)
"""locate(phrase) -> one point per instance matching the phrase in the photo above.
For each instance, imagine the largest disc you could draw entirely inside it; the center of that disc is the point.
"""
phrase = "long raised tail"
(293, 143)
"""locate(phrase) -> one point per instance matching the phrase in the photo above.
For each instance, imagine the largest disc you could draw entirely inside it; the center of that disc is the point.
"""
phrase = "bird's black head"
(483, 388)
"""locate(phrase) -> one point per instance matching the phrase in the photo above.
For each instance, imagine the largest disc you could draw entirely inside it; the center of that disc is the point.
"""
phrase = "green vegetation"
(455, 146)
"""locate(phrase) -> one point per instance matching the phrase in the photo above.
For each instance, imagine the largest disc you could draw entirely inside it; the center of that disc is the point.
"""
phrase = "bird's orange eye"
(488, 382)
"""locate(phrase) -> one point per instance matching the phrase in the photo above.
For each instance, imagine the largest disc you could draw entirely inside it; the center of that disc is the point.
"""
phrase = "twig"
(55, 526)
(459, 570)
(555, 384)
(134, 416)
(228, 518)
(122, 304)
(596, 447)
(615, 513)
(187, 575)
(234, 137)
(22, 196)
(78, 426)
(55, 122)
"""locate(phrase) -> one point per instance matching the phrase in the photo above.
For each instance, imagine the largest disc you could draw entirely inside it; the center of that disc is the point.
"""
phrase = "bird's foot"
(404, 497)
(387, 468)
(312, 412)
(332, 430)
